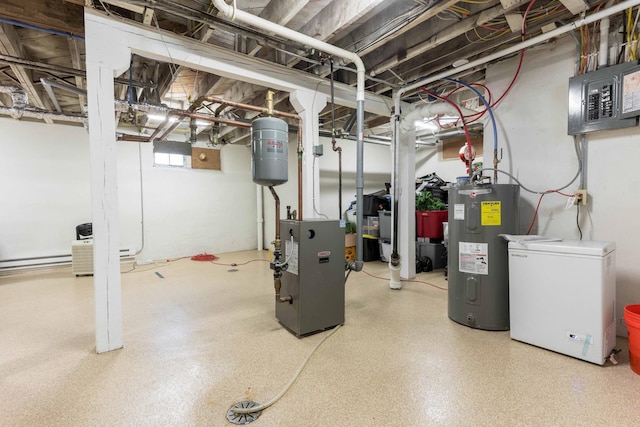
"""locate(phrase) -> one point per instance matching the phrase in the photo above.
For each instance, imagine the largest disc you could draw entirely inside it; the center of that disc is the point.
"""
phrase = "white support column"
(309, 104)
(407, 205)
(102, 58)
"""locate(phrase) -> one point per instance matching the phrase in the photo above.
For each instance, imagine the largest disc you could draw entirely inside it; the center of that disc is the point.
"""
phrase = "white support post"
(407, 204)
(102, 58)
(308, 105)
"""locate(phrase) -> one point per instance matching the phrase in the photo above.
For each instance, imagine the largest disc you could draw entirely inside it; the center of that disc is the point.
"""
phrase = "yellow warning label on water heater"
(491, 213)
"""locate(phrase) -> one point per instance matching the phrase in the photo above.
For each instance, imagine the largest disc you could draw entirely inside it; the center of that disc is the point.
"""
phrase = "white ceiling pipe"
(620, 7)
(429, 110)
(239, 15)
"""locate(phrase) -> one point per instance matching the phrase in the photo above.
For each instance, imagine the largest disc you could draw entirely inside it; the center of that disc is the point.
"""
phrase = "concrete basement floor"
(203, 337)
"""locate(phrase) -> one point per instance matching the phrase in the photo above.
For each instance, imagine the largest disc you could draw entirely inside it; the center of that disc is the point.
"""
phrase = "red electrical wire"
(479, 114)
(464, 124)
(233, 264)
(517, 73)
(204, 257)
(535, 214)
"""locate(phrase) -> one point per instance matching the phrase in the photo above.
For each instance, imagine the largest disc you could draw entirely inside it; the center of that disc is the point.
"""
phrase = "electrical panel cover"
(596, 100)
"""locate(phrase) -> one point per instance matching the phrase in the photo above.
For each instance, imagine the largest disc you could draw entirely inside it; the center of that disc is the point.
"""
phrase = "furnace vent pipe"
(239, 15)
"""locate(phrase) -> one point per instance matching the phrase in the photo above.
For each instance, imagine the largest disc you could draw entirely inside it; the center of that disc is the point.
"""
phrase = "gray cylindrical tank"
(269, 151)
(478, 257)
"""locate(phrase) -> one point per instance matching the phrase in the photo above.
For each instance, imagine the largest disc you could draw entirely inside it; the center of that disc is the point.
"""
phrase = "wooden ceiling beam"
(10, 45)
(59, 15)
(78, 64)
(279, 12)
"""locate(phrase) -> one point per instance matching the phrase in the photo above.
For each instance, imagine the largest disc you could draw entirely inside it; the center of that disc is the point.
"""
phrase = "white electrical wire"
(288, 386)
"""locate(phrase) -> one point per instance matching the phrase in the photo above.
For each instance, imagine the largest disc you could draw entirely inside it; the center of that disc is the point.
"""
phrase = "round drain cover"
(243, 418)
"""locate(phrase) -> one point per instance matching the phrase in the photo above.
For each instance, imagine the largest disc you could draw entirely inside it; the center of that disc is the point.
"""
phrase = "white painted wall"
(44, 170)
(532, 128)
(376, 167)
(429, 160)
(377, 170)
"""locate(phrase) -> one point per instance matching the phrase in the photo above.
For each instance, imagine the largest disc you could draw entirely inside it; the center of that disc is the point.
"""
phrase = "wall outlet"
(580, 197)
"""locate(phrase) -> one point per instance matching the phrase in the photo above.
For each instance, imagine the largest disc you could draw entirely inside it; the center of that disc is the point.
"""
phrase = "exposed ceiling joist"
(78, 64)
(59, 15)
(10, 45)
(279, 12)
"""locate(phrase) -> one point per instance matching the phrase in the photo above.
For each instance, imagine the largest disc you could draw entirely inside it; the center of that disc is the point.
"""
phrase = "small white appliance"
(82, 257)
(562, 296)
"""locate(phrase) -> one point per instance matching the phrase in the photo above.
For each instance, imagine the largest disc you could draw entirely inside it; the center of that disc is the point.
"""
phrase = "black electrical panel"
(596, 100)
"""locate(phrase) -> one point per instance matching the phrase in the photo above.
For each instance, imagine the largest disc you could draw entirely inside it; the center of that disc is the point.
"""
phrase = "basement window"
(172, 154)
(168, 159)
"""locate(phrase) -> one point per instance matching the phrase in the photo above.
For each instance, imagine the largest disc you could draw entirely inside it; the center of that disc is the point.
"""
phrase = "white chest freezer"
(562, 296)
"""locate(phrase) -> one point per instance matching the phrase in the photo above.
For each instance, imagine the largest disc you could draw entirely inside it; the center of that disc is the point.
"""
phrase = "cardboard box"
(349, 239)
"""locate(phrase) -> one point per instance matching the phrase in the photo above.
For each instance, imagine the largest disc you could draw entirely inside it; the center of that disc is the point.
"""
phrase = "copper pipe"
(155, 133)
(249, 107)
(211, 119)
(277, 199)
(133, 138)
(169, 130)
(183, 114)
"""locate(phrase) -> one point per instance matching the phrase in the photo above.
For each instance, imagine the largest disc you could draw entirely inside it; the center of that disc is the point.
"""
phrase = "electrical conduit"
(239, 15)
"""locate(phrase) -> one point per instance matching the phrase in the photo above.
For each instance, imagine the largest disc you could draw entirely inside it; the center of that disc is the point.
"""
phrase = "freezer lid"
(575, 247)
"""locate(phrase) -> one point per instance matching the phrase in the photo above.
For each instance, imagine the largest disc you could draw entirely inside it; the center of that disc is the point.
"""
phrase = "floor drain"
(243, 418)
(233, 270)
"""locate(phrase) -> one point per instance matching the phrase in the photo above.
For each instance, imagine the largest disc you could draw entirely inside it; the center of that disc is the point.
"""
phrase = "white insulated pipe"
(603, 53)
(408, 123)
(239, 15)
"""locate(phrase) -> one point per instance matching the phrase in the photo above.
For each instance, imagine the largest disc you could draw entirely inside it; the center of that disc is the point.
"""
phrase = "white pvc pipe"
(603, 53)
(394, 281)
(408, 123)
(260, 219)
(250, 19)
